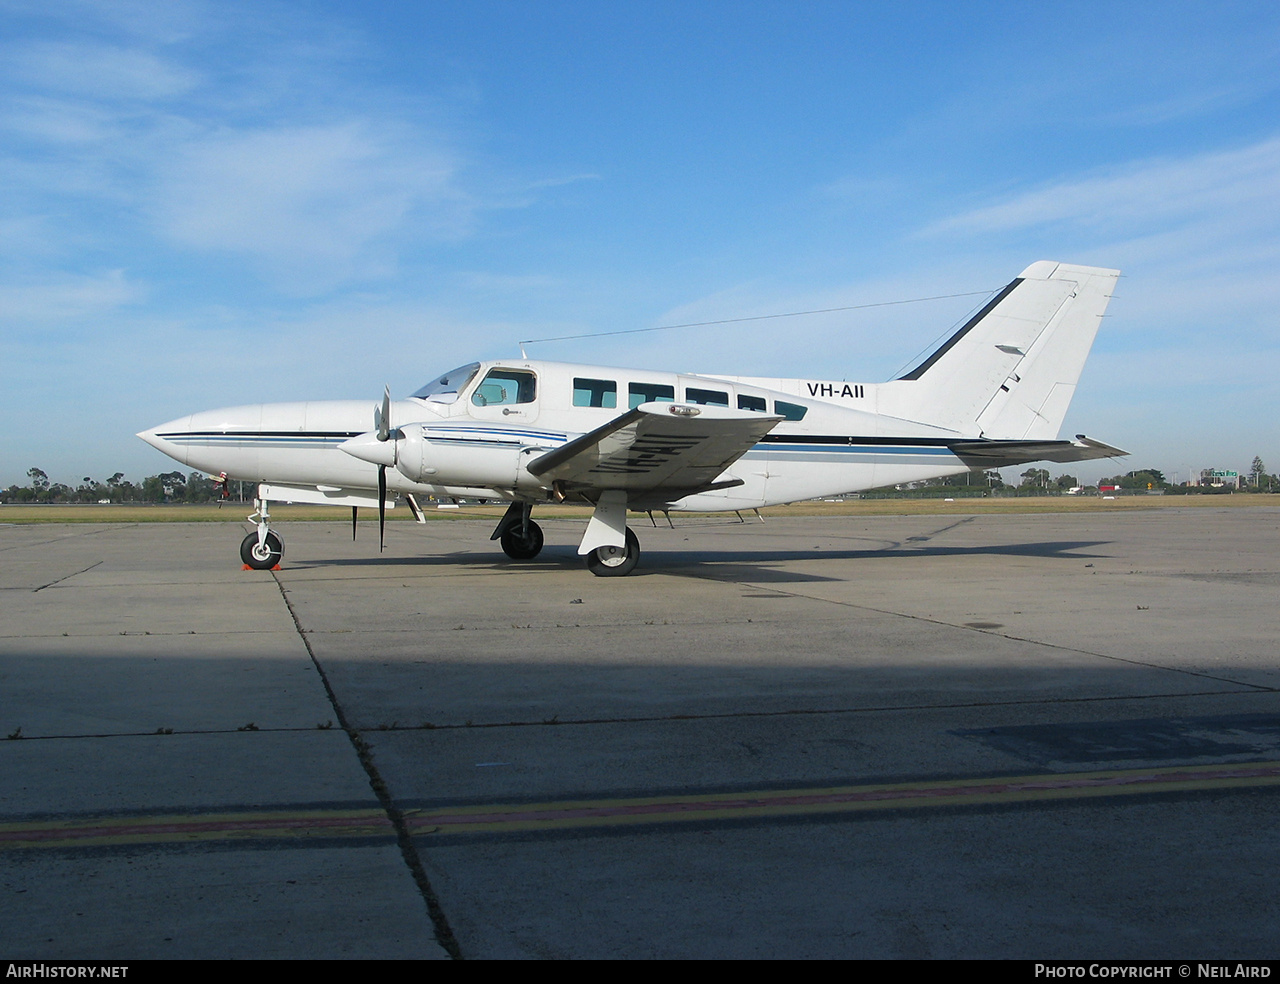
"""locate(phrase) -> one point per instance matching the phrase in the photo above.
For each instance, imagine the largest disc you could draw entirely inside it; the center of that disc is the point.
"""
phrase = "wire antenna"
(758, 317)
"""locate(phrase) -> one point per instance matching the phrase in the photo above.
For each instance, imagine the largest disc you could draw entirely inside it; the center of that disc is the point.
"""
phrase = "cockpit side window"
(447, 387)
(504, 387)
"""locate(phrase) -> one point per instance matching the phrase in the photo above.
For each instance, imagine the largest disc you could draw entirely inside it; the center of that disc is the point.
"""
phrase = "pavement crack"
(66, 577)
(1256, 687)
(443, 931)
(559, 722)
(940, 531)
(113, 528)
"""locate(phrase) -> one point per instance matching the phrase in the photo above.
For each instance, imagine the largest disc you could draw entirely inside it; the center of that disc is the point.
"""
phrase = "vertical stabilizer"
(1009, 373)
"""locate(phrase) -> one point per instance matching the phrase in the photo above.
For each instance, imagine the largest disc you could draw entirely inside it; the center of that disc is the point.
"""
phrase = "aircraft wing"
(662, 450)
(998, 454)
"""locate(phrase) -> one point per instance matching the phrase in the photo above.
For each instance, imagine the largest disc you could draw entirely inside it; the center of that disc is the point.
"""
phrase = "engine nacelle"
(445, 454)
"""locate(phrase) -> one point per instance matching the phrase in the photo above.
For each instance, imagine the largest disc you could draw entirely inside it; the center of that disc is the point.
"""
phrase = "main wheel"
(264, 556)
(615, 561)
(519, 544)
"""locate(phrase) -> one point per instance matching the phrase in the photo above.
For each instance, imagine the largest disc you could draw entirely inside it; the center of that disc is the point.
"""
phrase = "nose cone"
(368, 448)
(161, 437)
(227, 440)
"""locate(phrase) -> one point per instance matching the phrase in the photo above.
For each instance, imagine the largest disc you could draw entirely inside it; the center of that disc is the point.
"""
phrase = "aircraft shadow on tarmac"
(751, 565)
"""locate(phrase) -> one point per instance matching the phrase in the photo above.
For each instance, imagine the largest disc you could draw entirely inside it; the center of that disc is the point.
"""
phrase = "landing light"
(680, 410)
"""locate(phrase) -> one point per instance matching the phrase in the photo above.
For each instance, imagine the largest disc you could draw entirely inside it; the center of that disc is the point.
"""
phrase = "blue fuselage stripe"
(824, 448)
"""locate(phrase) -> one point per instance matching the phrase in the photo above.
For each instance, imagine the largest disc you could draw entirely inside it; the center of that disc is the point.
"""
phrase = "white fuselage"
(478, 435)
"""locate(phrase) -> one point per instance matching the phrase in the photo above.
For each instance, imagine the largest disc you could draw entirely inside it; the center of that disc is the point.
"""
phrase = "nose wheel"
(262, 556)
(263, 548)
(615, 561)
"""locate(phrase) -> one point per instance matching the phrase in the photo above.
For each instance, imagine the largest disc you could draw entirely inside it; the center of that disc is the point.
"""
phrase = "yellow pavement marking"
(283, 824)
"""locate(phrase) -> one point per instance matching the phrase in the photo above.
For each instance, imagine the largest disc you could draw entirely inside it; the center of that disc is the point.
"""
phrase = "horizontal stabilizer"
(999, 454)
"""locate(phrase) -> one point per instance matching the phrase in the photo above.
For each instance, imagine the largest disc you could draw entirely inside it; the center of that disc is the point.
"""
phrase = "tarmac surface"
(1048, 736)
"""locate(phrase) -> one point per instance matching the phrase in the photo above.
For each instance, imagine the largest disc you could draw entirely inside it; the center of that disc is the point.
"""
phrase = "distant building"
(1217, 478)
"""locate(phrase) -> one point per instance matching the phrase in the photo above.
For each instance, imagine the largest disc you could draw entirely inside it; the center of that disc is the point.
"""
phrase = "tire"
(518, 545)
(612, 562)
(265, 557)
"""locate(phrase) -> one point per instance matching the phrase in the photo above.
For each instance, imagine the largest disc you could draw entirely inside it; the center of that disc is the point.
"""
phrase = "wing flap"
(657, 447)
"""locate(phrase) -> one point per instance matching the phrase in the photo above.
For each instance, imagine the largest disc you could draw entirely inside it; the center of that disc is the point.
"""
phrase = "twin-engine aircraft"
(530, 432)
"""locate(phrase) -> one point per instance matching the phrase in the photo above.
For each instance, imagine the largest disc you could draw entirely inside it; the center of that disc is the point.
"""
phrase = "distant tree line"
(1038, 481)
(171, 486)
(195, 487)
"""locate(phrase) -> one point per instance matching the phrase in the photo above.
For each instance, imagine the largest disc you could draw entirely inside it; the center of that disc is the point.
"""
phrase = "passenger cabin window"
(638, 393)
(595, 393)
(789, 411)
(503, 387)
(755, 403)
(708, 398)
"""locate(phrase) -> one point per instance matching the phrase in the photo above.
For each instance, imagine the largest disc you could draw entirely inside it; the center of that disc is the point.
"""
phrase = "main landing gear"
(263, 548)
(615, 561)
(520, 536)
(608, 547)
(523, 544)
(521, 539)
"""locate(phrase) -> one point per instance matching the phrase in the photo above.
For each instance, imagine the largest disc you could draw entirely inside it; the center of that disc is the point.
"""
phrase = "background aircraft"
(529, 431)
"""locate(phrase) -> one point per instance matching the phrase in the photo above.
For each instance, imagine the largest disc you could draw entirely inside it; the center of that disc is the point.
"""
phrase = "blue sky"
(208, 204)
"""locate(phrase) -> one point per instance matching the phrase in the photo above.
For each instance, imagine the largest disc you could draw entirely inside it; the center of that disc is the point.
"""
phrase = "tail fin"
(1011, 371)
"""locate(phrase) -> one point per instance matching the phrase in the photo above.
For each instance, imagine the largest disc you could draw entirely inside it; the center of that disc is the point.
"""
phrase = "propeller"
(380, 447)
(382, 507)
(382, 424)
(382, 416)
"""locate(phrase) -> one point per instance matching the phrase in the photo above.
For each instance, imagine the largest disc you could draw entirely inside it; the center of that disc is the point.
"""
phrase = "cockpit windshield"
(447, 387)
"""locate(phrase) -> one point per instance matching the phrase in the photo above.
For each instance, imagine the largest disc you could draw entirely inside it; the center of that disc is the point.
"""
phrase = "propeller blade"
(382, 506)
(382, 416)
(353, 524)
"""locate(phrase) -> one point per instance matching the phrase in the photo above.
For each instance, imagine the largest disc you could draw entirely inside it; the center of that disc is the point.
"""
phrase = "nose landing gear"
(262, 549)
(262, 556)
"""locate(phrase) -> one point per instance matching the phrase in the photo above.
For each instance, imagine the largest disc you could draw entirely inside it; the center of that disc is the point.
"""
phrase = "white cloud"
(59, 122)
(315, 205)
(481, 280)
(167, 22)
(65, 298)
(99, 71)
(1243, 182)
